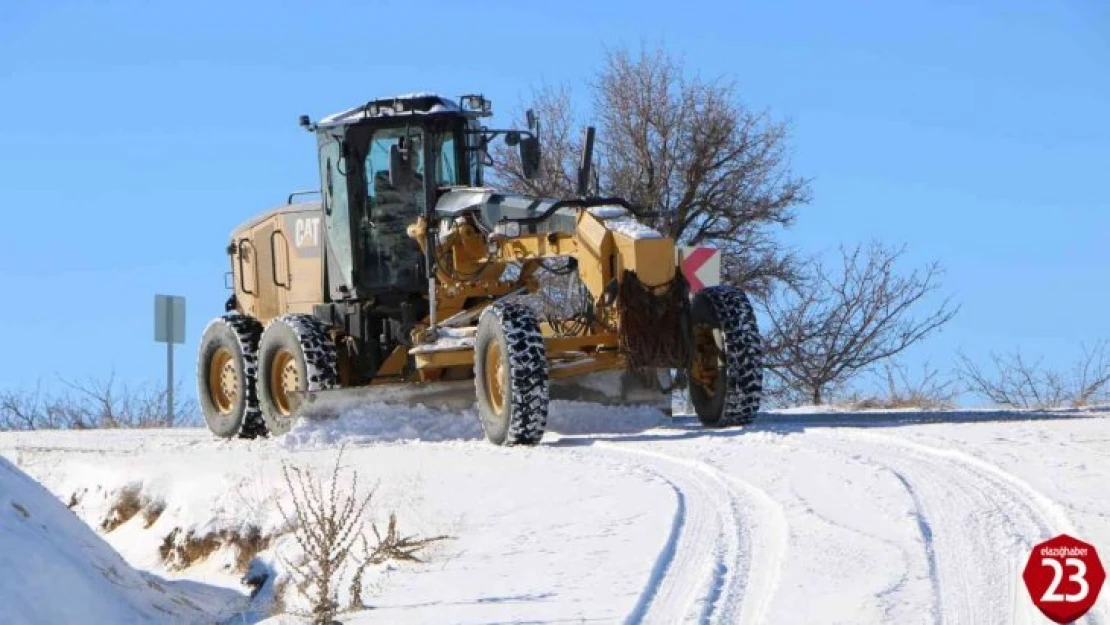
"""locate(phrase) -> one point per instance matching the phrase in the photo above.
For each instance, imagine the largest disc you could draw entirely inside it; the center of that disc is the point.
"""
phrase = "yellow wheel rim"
(285, 381)
(495, 377)
(223, 381)
(708, 359)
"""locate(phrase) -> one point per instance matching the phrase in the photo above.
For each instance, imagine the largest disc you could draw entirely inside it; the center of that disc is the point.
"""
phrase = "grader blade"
(606, 388)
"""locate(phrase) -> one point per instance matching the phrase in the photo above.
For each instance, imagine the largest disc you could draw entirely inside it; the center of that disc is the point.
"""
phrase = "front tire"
(510, 375)
(296, 355)
(726, 369)
(226, 376)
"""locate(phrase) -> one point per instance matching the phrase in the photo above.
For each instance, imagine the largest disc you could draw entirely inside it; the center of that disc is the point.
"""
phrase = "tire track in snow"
(722, 559)
(976, 520)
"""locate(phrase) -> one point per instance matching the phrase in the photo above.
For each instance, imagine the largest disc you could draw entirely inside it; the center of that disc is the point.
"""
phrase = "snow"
(356, 113)
(447, 339)
(807, 516)
(57, 570)
(620, 221)
(608, 212)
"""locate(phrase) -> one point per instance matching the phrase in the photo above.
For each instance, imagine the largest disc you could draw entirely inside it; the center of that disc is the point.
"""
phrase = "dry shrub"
(92, 405)
(127, 504)
(1018, 382)
(180, 550)
(327, 522)
(392, 546)
(75, 498)
(900, 391)
(152, 512)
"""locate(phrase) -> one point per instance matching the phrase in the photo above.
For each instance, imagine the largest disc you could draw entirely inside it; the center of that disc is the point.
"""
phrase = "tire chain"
(743, 353)
(247, 331)
(528, 374)
(321, 362)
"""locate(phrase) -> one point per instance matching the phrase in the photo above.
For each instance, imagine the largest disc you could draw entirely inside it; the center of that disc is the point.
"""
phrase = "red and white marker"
(1064, 576)
(701, 265)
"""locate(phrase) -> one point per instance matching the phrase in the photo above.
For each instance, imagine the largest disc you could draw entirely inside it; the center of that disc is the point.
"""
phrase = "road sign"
(169, 319)
(701, 265)
(1064, 576)
(169, 328)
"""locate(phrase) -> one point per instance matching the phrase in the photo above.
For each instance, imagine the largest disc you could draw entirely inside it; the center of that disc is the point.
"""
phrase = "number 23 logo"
(1079, 577)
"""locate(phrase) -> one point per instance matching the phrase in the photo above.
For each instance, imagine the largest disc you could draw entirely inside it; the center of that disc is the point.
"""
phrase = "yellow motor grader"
(411, 278)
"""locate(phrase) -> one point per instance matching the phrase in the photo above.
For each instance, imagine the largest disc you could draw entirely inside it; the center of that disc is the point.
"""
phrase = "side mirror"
(530, 156)
(400, 169)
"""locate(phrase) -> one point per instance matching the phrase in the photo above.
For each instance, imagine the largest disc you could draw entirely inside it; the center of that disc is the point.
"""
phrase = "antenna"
(586, 164)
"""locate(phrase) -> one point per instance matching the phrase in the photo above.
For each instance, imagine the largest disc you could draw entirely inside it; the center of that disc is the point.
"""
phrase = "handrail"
(242, 274)
(296, 193)
(273, 260)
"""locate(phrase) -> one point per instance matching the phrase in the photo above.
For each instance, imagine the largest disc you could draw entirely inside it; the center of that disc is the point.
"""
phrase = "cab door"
(337, 223)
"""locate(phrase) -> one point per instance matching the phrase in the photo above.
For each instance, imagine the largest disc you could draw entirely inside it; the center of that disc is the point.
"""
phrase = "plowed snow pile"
(362, 423)
(55, 569)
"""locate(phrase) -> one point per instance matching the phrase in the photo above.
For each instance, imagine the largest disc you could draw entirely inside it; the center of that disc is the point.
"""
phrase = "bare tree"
(1020, 383)
(832, 326)
(715, 172)
(562, 148)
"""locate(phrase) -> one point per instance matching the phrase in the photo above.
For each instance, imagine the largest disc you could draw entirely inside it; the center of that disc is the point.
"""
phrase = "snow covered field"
(620, 515)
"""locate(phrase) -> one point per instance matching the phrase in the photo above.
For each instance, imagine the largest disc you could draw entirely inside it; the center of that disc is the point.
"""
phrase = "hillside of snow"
(56, 569)
(620, 515)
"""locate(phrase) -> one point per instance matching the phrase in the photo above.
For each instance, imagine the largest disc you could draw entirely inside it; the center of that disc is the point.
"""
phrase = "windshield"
(410, 141)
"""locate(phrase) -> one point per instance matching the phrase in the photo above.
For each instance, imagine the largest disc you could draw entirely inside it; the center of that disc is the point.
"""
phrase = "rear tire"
(296, 355)
(510, 375)
(226, 376)
(726, 369)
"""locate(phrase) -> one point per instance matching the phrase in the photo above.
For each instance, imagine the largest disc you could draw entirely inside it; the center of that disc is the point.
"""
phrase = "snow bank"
(55, 569)
(377, 422)
(360, 423)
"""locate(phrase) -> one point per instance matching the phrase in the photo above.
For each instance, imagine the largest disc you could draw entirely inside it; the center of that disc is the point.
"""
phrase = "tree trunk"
(817, 396)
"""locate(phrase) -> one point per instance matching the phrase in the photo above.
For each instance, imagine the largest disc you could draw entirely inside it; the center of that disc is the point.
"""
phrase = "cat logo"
(306, 232)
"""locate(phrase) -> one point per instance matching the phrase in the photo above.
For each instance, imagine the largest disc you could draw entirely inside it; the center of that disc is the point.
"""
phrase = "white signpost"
(169, 328)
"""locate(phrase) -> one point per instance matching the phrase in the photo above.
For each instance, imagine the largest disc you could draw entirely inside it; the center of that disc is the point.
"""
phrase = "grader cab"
(409, 274)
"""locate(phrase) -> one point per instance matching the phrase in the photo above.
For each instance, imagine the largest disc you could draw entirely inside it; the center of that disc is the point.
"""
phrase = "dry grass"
(392, 546)
(899, 390)
(152, 512)
(180, 550)
(127, 504)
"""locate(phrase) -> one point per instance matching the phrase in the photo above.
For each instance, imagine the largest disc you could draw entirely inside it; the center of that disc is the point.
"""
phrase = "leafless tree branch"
(831, 326)
(93, 404)
(1020, 383)
(717, 173)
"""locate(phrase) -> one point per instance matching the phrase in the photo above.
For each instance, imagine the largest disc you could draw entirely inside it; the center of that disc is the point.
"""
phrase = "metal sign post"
(169, 328)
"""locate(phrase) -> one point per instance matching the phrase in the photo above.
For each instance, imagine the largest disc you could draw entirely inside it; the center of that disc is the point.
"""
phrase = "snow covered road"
(626, 516)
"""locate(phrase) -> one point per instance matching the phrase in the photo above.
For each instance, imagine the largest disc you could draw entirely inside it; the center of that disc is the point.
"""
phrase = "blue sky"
(137, 134)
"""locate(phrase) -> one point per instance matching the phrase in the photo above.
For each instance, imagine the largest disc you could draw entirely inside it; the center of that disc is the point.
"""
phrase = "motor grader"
(409, 274)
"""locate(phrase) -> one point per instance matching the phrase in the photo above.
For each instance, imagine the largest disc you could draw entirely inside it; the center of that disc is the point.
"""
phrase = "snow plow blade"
(609, 388)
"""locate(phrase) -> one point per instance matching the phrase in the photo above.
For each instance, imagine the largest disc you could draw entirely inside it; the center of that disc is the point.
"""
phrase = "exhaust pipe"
(586, 164)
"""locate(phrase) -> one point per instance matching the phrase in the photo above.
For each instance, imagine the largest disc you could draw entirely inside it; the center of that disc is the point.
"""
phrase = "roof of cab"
(410, 104)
